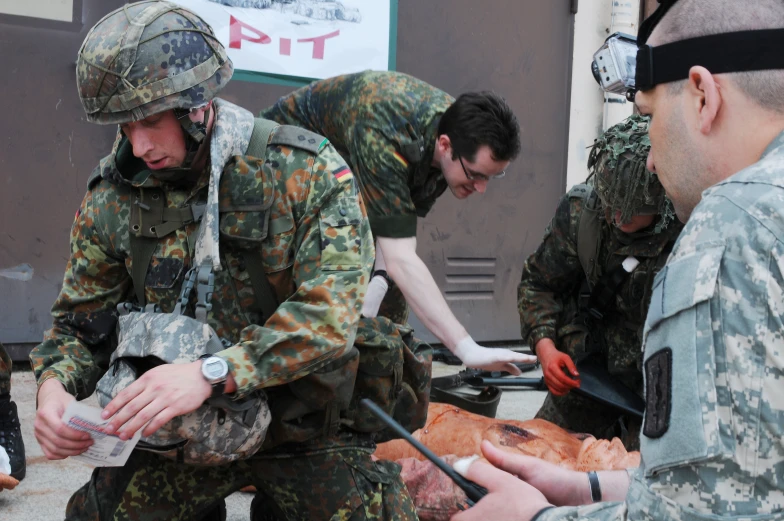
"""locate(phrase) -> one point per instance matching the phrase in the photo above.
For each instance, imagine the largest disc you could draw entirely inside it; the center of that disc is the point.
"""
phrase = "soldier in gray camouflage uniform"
(621, 217)
(712, 442)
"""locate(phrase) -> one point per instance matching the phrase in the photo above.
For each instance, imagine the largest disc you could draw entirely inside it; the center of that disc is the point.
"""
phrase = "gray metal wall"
(475, 248)
(522, 50)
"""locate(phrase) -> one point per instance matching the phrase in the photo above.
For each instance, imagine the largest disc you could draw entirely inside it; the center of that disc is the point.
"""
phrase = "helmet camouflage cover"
(620, 177)
(148, 57)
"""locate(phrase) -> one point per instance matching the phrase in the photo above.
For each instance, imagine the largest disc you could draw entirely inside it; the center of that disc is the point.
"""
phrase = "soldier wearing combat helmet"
(627, 189)
(600, 253)
(251, 229)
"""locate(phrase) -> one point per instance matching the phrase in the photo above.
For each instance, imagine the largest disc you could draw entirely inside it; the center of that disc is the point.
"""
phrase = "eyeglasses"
(476, 176)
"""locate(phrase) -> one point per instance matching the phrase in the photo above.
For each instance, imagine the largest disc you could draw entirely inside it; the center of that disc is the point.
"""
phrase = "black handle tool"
(473, 491)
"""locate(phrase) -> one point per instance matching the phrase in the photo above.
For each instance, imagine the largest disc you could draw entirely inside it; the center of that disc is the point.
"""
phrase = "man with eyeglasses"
(711, 75)
(407, 142)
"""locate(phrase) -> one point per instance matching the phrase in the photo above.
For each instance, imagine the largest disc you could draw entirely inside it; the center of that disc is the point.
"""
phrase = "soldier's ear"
(197, 115)
(444, 144)
(705, 96)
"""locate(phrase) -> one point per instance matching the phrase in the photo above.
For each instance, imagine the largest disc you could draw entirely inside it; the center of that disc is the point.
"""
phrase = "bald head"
(693, 18)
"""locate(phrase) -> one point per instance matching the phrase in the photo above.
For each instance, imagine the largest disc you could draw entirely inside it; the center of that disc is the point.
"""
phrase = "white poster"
(301, 38)
(60, 10)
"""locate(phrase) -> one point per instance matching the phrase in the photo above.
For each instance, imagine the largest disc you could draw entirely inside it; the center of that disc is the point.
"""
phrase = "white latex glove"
(490, 359)
(375, 294)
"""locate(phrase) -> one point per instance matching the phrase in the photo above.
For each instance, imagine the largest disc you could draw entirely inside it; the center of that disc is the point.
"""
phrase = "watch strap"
(218, 388)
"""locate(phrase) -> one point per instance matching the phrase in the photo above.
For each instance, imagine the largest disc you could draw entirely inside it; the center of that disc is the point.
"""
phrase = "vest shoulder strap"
(588, 228)
(142, 249)
(266, 299)
(262, 128)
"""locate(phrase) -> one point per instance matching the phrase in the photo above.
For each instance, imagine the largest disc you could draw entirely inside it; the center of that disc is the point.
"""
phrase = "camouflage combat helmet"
(148, 57)
(619, 175)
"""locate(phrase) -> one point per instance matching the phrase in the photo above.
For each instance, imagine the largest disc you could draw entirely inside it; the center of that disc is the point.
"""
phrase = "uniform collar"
(774, 145)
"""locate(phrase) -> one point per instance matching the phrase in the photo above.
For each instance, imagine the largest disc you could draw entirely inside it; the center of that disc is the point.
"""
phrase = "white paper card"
(107, 450)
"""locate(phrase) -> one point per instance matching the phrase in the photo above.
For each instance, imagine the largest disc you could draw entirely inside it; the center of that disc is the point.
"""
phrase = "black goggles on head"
(624, 65)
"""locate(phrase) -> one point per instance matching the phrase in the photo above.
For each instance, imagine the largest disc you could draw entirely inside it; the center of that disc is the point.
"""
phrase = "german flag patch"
(343, 174)
(400, 159)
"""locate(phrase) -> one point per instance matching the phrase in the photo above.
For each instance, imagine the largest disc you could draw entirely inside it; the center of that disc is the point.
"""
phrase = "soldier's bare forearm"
(52, 385)
(415, 281)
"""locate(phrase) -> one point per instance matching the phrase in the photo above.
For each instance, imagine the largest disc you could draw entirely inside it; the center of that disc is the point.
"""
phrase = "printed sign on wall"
(60, 10)
(309, 39)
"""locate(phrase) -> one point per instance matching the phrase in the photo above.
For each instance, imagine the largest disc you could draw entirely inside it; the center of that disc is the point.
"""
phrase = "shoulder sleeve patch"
(658, 393)
(343, 174)
(298, 137)
(400, 159)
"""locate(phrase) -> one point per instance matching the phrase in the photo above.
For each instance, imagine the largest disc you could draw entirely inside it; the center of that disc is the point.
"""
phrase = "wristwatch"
(215, 370)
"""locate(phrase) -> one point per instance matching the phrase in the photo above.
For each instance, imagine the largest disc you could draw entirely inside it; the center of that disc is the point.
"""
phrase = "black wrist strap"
(383, 274)
(218, 389)
(596, 489)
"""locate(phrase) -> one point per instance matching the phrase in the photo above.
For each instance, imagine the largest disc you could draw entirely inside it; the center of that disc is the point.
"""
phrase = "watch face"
(214, 368)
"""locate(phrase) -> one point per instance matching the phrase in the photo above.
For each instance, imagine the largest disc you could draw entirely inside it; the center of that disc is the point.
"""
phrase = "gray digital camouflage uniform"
(713, 439)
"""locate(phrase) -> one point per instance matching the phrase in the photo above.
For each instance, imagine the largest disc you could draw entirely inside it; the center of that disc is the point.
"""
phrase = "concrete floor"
(44, 493)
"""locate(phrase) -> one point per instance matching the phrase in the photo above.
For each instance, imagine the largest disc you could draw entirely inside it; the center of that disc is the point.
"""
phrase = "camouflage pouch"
(218, 432)
(395, 370)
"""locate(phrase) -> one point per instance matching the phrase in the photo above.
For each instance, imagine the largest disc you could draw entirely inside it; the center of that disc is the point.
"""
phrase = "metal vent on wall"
(470, 278)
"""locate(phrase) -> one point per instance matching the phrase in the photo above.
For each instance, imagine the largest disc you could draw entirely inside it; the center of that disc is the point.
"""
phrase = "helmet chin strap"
(197, 130)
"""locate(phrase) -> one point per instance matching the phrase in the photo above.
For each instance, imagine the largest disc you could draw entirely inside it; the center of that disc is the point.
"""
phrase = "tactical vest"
(221, 430)
(150, 221)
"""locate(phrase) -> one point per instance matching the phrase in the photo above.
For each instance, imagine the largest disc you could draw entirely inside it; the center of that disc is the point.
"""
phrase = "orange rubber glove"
(560, 373)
